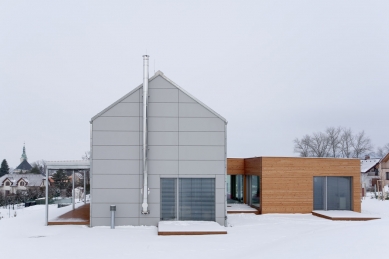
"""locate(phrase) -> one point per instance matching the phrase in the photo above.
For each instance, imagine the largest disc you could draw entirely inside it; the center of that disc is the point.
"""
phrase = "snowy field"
(250, 236)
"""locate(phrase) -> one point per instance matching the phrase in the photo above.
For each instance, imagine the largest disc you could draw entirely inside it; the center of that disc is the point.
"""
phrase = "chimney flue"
(145, 103)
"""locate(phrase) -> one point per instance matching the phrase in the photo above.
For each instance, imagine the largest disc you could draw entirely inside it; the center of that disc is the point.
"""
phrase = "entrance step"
(240, 208)
(343, 215)
(169, 228)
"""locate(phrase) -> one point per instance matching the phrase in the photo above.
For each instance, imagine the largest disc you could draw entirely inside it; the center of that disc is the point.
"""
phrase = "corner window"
(255, 191)
(332, 193)
(234, 188)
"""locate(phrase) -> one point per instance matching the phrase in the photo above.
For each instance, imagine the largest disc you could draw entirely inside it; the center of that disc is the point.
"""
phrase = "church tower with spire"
(24, 156)
(24, 166)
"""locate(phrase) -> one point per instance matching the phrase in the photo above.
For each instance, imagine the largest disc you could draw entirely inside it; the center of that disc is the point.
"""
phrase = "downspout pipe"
(145, 103)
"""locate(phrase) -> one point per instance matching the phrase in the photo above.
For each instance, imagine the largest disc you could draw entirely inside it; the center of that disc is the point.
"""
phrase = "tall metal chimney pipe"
(145, 103)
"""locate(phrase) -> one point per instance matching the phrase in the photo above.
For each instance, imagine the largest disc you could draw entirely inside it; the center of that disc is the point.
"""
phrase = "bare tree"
(319, 145)
(335, 142)
(303, 146)
(86, 156)
(361, 144)
(40, 165)
(346, 143)
(333, 135)
(382, 151)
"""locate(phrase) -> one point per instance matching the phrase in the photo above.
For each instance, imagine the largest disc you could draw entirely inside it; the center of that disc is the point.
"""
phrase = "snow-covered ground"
(250, 236)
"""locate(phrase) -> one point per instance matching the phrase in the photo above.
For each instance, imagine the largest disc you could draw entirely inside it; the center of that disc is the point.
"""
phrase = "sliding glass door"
(253, 191)
(168, 198)
(194, 199)
(332, 193)
(234, 188)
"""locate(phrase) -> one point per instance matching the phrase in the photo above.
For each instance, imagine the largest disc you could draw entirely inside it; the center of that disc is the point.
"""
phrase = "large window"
(255, 201)
(195, 198)
(234, 188)
(168, 198)
(332, 193)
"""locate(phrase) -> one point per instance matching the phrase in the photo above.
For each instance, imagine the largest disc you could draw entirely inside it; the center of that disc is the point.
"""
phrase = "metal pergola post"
(47, 196)
(73, 192)
(84, 186)
(64, 165)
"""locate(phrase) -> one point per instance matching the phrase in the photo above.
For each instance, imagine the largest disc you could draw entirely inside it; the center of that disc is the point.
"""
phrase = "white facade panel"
(201, 167)
(112, 167)
(135, 97)
(220, 181)
(202, 153)
(163, 167)
(219, 210)
(162, 124)
(194, 110)
(118, 221)
(116, 152)
(201, 124)
(154, 181)
(154, 196)
(198, 138)
(163, 110)
(123, 109)
(115, 196)
(154, 209)
(184, 98)
(116, 181)
(146, 221)
(116, 123)
(160, 82)
(123, 210)
(159, 138)
(185, 139)
(119, 138)
(220, 195)
(163, 152)
(163, 95)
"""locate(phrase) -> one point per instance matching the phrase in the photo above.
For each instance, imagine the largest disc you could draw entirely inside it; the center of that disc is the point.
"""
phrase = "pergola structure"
(64, 165)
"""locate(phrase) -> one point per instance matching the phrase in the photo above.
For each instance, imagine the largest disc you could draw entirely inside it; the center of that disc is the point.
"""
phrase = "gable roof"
(24, 166)
(385, 158)
(367, 164)
(31, 179)
(159, 73)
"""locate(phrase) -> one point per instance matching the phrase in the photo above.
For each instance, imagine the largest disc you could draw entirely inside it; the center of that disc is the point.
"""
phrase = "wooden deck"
(190, 233)
(347, 216)
(173, 228)
(241, 208)
(79, 216)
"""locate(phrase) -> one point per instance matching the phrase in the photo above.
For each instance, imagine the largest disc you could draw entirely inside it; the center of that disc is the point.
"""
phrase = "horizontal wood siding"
(253, 166)
(235, 166)
(287, 183)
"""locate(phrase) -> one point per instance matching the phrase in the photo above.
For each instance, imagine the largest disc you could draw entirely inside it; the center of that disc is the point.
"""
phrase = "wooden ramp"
(171, 228)
(79, 216)
(343, 215)
(240, 208)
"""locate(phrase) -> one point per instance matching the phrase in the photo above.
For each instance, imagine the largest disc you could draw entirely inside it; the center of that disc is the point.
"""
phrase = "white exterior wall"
(185, 140)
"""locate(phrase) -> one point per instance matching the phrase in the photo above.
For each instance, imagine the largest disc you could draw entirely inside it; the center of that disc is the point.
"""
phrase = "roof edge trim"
(159, 73)
(191, 96)
(121, 99)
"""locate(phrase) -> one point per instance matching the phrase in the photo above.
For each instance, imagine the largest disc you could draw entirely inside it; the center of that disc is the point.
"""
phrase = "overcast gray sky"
(276, 70)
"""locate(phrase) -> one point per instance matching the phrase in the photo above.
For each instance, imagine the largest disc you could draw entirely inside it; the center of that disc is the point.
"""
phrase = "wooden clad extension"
(235, 166)
(286, 183)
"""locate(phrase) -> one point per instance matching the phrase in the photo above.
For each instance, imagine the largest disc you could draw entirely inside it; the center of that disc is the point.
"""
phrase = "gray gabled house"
(175, 169)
